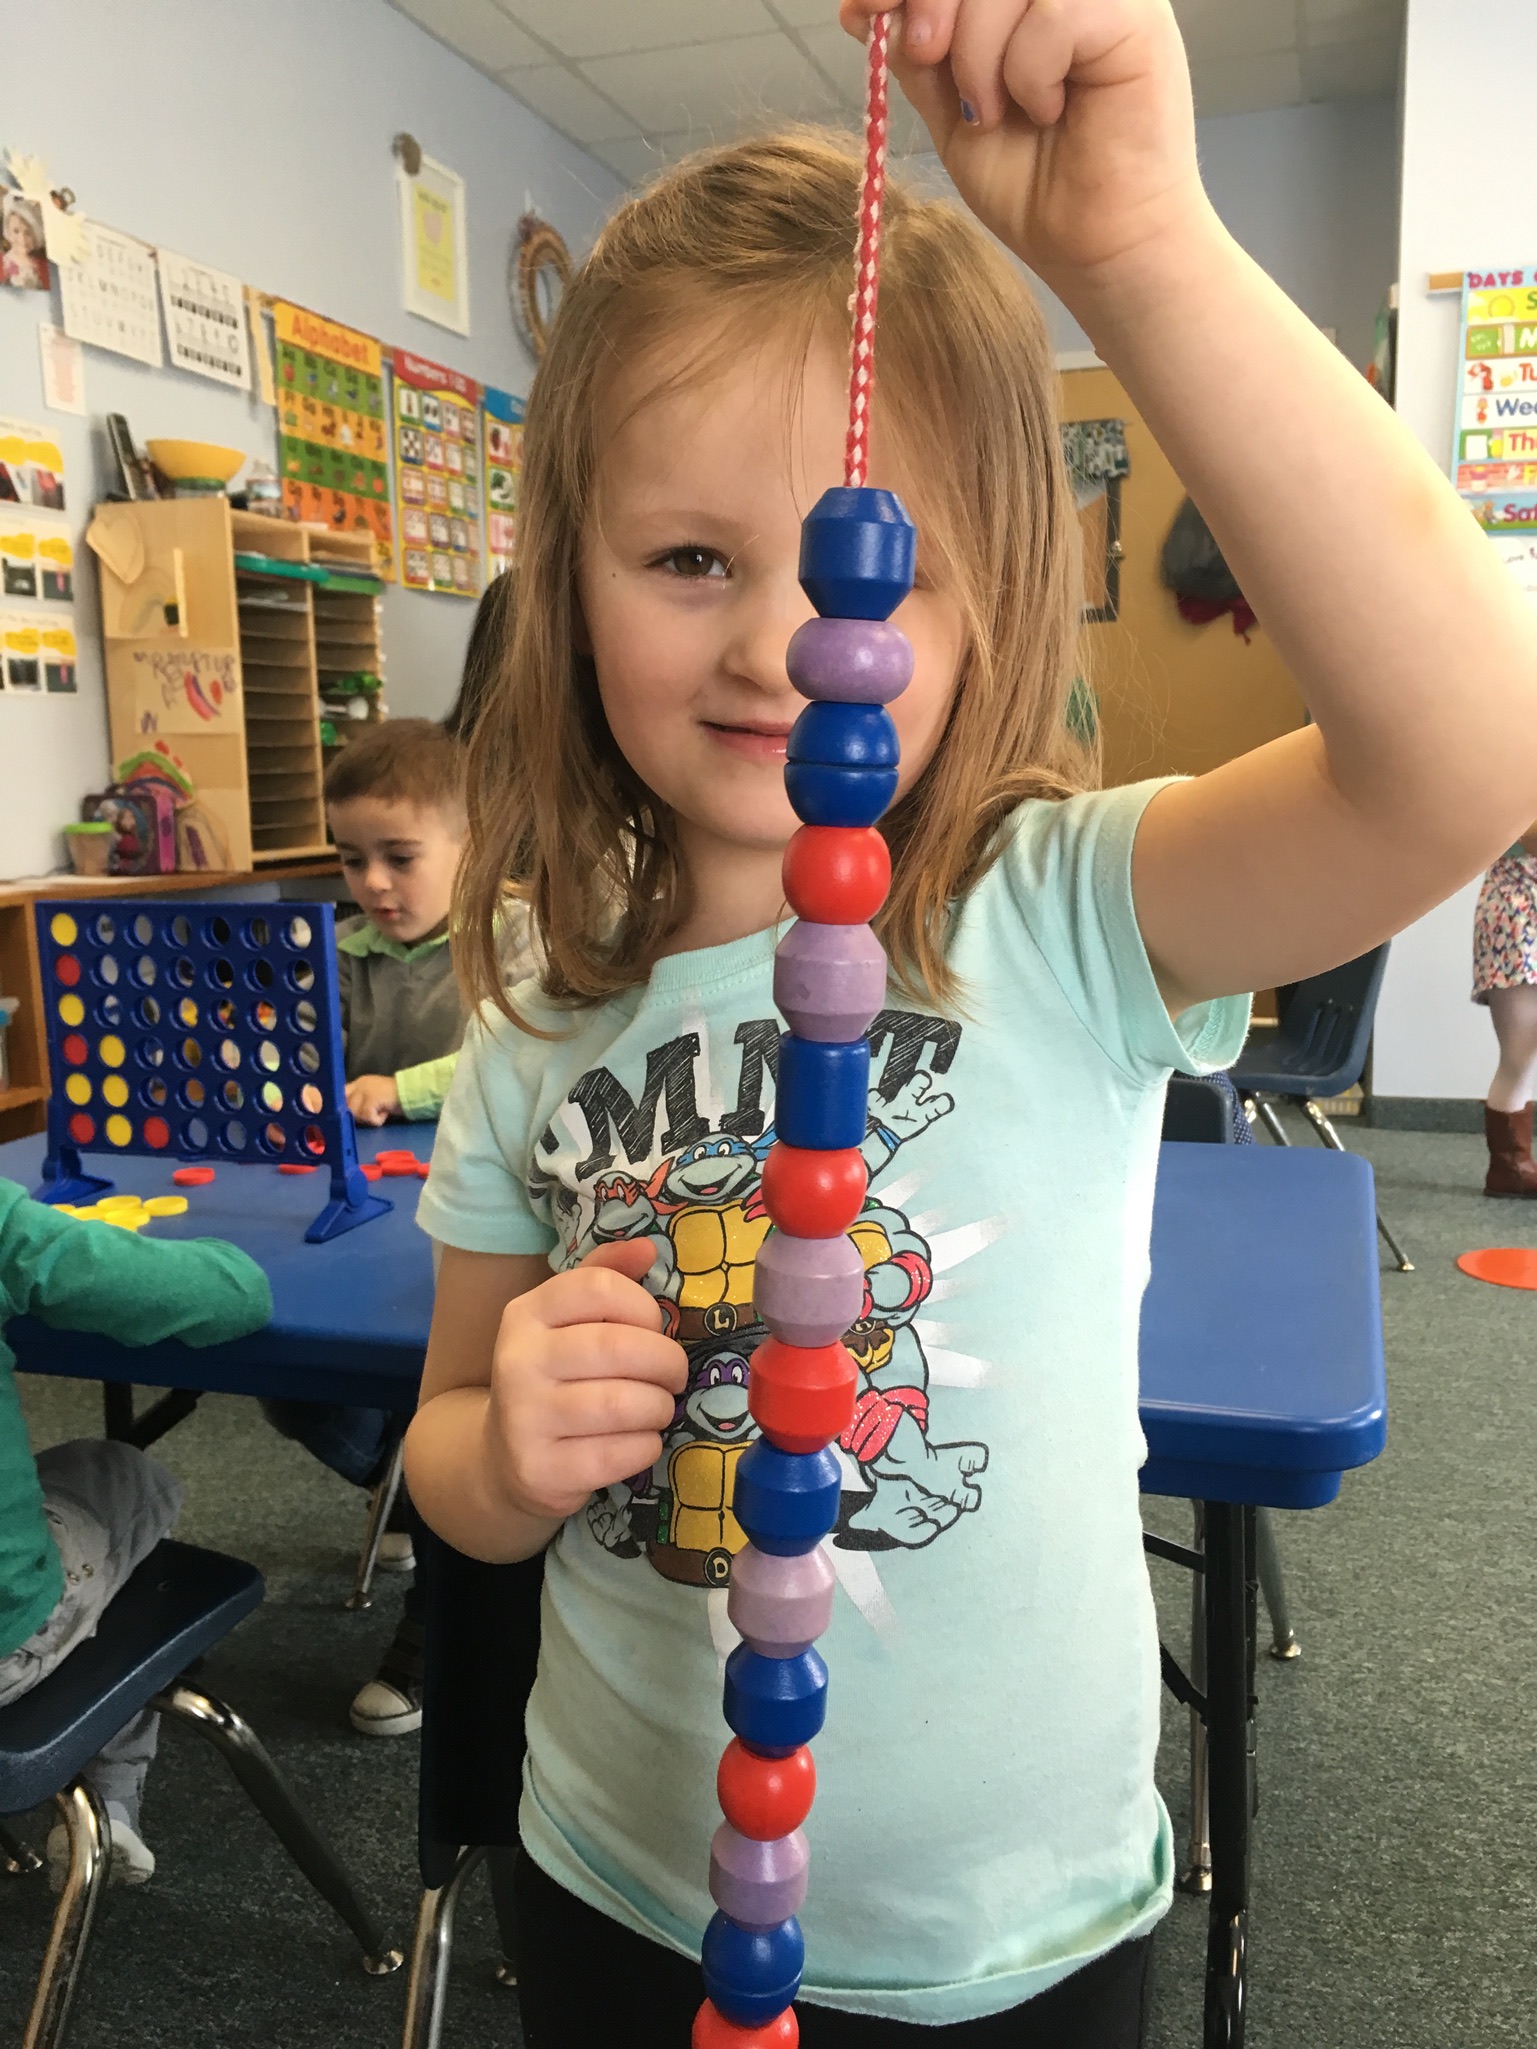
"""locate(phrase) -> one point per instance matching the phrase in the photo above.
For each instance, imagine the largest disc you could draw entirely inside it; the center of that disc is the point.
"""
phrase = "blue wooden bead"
(858, 553)
(775, 1704)
(821, 795)
(822, 1094)
(845, 736)
(752, 1974)
(786, 1501)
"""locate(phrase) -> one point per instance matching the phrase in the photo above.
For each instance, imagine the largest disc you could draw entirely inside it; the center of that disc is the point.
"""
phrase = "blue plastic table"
(1261, 1364)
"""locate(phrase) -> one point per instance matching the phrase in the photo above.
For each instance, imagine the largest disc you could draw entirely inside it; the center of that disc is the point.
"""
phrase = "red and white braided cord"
(856, 458)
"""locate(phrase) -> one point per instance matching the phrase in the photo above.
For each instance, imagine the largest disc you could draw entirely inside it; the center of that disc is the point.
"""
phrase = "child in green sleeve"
(75, 1522)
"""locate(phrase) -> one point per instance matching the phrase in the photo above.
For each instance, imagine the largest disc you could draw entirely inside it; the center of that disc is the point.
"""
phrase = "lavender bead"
(780, 1605)
(860, 661)
(758, 1884)
(808, 1290)
(829, 980)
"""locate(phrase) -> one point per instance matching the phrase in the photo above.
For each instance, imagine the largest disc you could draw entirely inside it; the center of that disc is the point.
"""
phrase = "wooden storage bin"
(224, 661)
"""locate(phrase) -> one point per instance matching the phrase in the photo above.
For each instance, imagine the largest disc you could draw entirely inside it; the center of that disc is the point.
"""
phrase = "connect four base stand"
(198, 1032)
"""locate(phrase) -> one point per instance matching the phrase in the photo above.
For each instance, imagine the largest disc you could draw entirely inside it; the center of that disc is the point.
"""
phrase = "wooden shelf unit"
(225, 663)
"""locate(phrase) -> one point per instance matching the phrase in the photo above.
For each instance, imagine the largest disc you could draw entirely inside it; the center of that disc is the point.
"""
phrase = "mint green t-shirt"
(986, 1819)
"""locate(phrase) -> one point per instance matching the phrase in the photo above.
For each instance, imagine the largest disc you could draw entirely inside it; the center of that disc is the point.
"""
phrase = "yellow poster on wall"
(433, 246)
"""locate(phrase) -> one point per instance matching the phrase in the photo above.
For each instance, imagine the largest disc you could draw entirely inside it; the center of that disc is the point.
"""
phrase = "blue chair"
(179, 1603)
(1318, 1049)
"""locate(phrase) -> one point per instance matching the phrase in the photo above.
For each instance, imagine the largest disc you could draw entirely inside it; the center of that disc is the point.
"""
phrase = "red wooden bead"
(765, 1797)
(802, 1396)
(837, 874)
(813, 1194)
(712, 2030)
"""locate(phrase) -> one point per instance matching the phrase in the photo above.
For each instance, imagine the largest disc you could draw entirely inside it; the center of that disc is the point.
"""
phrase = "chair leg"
(431, 1950)
(90, 1850)
(1331, 1137)
(1283, 1639)
(500, 1865)
(1265, 1110)
(1196, 1877)
(19, 1859)
(378, 1515)
(275, 1801)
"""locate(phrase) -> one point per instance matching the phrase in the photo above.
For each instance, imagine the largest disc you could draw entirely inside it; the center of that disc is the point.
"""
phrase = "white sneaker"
(395, 1552)
(131, 1862)
(383, 1709)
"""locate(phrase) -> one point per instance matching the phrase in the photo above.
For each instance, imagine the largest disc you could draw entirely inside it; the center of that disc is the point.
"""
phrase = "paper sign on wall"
(502, 423)
(110, 300)
(1494, 439)
(331, 446)
(437, 476)
(205, 320)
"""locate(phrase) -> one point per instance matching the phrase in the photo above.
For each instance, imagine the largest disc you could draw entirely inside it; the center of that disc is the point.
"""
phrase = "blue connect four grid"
(208, 1033)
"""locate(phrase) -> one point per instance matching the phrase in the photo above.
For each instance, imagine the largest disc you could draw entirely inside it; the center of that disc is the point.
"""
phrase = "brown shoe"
(1508, 1135)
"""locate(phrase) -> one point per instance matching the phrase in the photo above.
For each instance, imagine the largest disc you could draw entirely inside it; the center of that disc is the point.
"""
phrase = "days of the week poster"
(1494, 446)
(437, 476)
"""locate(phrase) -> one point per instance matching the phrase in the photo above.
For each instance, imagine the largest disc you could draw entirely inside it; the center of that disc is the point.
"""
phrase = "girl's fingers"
(584, 1466)
(1036, 63)
(597, 1409)
(632, 1256)
(921, 30)
(616, 1351)
(597, 1291)
(982, 32)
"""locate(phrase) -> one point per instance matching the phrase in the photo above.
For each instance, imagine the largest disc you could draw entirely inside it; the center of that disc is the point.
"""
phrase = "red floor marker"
(297, 1167)
(1507, 1266)
(192, 1177)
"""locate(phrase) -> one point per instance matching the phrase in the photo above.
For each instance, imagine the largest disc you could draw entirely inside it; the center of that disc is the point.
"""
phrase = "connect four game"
(209, 1033)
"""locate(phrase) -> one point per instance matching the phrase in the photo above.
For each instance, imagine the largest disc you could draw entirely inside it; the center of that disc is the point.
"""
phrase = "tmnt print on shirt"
(615, 1166)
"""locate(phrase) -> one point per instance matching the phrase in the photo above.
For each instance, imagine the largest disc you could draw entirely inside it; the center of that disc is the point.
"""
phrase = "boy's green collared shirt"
(401, 1013)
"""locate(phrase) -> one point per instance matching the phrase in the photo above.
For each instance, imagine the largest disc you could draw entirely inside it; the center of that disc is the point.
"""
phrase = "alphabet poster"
(437, 476)
(1494, 443)
(331, 427)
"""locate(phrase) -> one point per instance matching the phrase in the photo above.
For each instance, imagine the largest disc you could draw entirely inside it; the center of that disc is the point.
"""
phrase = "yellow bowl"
(180, 460)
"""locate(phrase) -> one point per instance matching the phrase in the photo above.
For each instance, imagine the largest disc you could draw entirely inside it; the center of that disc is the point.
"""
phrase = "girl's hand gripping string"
(582, 1384)
(1067, 125)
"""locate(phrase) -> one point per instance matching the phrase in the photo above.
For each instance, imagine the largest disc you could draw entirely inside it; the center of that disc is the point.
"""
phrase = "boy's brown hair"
(757, 238)
(411, 761)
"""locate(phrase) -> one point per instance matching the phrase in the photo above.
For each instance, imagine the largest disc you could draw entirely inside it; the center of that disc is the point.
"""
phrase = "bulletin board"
(502, 431)
(1494, 439)
(438, 476)
(331, 427)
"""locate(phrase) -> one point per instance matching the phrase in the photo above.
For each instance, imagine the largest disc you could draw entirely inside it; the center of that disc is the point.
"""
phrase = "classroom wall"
(1467, 201)
(258, 139)
(1312, 194)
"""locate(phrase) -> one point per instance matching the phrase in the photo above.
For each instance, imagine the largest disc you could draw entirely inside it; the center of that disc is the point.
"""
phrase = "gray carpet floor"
(1393, 1892)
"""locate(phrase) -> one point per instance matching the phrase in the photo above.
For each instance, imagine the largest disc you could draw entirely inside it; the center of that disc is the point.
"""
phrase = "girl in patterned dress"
(1505, 978)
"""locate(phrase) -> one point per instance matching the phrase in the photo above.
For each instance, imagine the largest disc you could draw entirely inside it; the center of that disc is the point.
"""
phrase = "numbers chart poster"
(331, 427)
(437, 476)
(502, 423)
(1494, 458)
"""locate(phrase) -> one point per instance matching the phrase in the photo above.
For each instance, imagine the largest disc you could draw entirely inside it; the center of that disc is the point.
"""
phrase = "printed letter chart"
(1494, 444)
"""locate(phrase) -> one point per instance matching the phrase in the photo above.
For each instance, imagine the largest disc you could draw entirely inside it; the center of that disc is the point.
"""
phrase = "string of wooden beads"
(858, 548)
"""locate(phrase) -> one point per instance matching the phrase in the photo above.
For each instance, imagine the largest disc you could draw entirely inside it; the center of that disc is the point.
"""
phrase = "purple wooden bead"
(808, 1290)
(758, 1884)
(780, 1605)
(829, 980)
(860, 661)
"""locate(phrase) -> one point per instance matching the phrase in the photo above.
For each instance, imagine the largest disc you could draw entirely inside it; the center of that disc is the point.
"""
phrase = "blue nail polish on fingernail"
(969, 112)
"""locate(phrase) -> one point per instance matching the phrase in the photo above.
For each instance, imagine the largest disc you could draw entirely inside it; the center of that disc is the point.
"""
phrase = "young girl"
(1505, 978)
(989, 1852)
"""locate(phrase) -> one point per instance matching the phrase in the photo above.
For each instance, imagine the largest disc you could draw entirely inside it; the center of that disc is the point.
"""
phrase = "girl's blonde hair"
(753, 238)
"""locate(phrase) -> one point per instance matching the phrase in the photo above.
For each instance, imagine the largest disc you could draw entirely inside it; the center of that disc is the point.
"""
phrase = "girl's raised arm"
(1068, 129)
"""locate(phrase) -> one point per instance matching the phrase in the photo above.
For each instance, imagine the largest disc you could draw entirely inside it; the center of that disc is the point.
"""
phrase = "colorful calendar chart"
(437, 476)
(110, 300)
(205, 320)
(202, 1032)
(331, 427)
(1494, 442)
(502, 427)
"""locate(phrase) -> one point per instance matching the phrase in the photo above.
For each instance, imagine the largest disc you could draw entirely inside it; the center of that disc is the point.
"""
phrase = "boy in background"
(77, 1521)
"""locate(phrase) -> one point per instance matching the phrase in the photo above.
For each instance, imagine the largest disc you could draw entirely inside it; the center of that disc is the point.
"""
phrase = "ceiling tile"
(843, 60)
(568, 103)
(477, 30)
(1242, 85)
(714, 86)
(1351, 71)
(599, 28)
(1236, 28)
(642, 156)
(810, 14)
